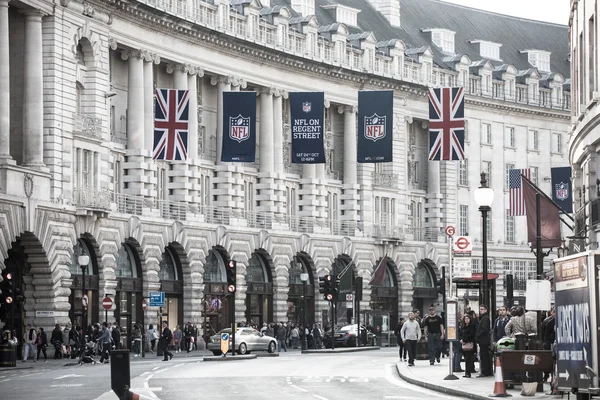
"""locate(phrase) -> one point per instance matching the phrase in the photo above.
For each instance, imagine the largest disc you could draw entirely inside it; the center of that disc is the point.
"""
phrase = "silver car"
(246, 340)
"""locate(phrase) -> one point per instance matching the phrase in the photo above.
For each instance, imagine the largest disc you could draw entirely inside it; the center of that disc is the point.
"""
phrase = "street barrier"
(499, 389)
(120, 376)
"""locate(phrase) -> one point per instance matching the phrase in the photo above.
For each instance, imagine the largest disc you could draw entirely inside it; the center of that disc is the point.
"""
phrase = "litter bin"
(8, 356)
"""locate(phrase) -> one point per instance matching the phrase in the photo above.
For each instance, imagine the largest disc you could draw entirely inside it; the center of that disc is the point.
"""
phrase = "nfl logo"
(239, 128)
(306, 106)
(562, 191)
(375, 127)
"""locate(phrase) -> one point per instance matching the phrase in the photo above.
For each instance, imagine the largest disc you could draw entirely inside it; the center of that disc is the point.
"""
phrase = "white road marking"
(61, 385)
(299, 388)
(4, 380)
(68, 376)
(319, 397)
(391, 375)
(155, 368)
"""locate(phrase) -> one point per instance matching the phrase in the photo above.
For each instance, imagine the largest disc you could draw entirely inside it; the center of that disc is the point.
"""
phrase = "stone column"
(149, 61)
(265, 148)
(278, 165)
(223, 85)
(33, 91)
(135, 99)
(195, 73)
(4, 83)
(350, 196)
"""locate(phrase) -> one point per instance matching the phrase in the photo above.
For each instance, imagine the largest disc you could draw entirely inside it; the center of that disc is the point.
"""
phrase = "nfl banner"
(562, 190)
(239, 127)
(171, 115)
(446, 124)
(375, 118)
(306, 109)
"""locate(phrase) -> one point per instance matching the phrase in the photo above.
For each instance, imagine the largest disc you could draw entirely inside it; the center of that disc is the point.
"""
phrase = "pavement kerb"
(439, 388)
(340, 350)
(230, 358)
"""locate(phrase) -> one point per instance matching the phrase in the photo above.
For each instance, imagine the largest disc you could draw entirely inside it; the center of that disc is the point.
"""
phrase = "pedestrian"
(456, 346)
(500, 324)
(177, 337)
(317, 337)
(187, 336)
(548, 334)
(136, 335)
(281, 332)
(116, 335)
(56, 340)
(29, 341)
(66, 333)
(467, 341)
(105, 341)
(411, 334)
(166, 338)
(294, 334)
(401, 346)
(483, 338)
(434, 333)
(152, 337)
(42, 343)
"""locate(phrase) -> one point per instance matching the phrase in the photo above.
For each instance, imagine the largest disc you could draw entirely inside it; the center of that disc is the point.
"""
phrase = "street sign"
(349, 297)
(107, 303)
(84, 300)
(349, 304)
(157, 299)
(224, 343)
(537, 295)
(144, 305)
(462, 267)
(462, 244)
(450, 231)
(468, 285)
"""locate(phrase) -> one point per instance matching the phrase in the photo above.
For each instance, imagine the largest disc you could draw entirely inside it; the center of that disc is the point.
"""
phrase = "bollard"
(120, 376)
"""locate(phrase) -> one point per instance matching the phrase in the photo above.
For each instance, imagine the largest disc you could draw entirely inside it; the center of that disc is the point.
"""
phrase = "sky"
(556, 11)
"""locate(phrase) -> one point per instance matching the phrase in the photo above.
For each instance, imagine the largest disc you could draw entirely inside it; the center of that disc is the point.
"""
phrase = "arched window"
(214, 269)
(167, 271)
(126, 267)
(298, 266)
(423, 277)
(79, 249)
(256, 271)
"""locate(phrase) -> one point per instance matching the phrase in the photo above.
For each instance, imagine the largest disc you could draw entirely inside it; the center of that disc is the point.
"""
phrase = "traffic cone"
(499, 389)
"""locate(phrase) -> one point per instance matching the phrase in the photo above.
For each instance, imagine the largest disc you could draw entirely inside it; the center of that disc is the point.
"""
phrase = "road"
(367, 375)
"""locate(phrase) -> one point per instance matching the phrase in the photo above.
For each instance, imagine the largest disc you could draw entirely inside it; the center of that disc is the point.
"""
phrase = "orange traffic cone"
(499, 389)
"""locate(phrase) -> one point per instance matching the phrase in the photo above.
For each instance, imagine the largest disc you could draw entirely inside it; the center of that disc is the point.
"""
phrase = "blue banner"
(239, 127)
(306, 110)
(375, 126)
(562, 188)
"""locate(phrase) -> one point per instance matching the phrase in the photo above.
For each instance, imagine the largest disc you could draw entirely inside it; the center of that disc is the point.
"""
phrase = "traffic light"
(231, 272)
(327, 287)
(322, 285)
(7, 287)
(335, 287)
(441, 287)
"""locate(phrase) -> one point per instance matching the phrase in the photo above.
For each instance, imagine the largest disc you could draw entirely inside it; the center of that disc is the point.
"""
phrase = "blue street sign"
(157, 299)
(225, 336)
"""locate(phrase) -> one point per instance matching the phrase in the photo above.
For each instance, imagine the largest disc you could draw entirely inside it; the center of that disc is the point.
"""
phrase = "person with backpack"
(42, 343)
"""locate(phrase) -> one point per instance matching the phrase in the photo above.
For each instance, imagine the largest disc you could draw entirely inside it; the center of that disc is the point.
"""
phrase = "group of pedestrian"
(291, 335)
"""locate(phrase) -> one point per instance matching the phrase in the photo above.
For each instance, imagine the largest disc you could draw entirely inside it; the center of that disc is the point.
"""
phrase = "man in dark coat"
(188, 332)
(116, 335)
(166, 338)
(483, 337)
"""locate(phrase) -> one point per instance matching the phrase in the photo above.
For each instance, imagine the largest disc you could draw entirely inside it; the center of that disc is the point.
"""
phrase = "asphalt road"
(367, 375)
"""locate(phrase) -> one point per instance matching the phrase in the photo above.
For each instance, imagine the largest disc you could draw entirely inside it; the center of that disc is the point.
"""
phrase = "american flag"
(446, 124)
(171, 125)
(515, 184)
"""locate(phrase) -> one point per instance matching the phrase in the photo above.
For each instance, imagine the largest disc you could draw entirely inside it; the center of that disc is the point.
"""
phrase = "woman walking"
(136, 334)
(42, 343)
(467, 341)
(152, 337)
(177, 336)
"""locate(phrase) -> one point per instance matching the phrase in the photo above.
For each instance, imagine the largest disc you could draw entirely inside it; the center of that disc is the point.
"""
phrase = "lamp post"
(304, 279)
(83, 261)
(484, 196)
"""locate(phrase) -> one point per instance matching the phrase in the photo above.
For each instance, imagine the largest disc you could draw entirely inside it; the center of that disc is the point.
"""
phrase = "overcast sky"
(556, 11)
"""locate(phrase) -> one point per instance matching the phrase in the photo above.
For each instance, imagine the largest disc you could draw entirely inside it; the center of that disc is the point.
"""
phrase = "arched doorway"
(216, 307)
(297, 311)
(384, 301)
(343, 268)
(171, 283)
(424, 290)
(129, 294)
(84, 247)
(259, 293)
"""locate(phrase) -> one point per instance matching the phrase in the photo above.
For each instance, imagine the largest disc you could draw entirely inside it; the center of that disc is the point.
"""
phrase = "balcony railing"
(93, 199)
(427, 234)
(88, 125)
(259, 219)
(216, 215)
(385, 180)
(128, 204)
(172, 209)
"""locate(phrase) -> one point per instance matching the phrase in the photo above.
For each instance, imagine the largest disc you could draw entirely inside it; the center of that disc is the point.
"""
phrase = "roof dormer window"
(489, 50)
(304, 7)
(443, 38)
(344, 14)
(539, 59)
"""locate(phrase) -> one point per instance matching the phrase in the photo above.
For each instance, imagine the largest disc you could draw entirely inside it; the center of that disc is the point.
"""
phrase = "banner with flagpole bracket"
(375, 126)
(562, 189)
(239, 127)
(306, 111)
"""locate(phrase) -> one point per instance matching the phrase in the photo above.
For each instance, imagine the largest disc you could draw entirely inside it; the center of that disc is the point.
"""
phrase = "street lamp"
(484, 196)
(304, 279)
(83, 261)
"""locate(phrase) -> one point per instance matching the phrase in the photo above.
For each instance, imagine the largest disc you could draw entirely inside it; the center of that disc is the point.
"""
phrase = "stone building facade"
(77, 174)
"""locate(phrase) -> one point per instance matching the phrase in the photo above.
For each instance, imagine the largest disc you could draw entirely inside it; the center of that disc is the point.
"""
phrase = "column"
(195, 73)
(265, 148)
(148, 102)
(33, 92)
(4, 83)
(135, 99)
(278, 130)
(350, 197)
(223, 85)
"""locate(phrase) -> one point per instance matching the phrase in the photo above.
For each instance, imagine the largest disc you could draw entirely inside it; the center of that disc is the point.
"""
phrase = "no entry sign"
(107, 303)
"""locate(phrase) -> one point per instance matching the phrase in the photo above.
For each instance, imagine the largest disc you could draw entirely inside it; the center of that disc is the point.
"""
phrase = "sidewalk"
(432, 377)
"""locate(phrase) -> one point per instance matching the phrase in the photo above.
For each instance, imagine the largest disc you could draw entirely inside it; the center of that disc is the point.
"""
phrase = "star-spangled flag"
(516, 202)
(446, 124)
(171, 129)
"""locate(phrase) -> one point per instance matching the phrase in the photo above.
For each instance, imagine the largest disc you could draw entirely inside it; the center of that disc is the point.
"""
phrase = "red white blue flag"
(171, 129)
(516, 200)
(446, 124)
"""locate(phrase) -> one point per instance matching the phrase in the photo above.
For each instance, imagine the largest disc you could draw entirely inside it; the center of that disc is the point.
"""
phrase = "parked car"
(246, 340)
(347, 336)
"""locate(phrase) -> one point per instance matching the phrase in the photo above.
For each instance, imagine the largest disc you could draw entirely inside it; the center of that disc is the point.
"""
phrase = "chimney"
(390, 10)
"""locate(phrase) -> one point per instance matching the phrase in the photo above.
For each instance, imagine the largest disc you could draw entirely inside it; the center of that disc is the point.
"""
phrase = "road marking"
(299, 388)
(320, 397)
(69, 376)
(4, 380)
(391, 375)
(155, 368)
(61, 385)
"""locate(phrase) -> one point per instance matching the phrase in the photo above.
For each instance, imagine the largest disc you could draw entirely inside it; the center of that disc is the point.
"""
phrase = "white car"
(246, 340)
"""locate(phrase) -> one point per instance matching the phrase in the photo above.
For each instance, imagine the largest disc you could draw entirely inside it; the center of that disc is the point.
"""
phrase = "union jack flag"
(171, 113)
(446, 124)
